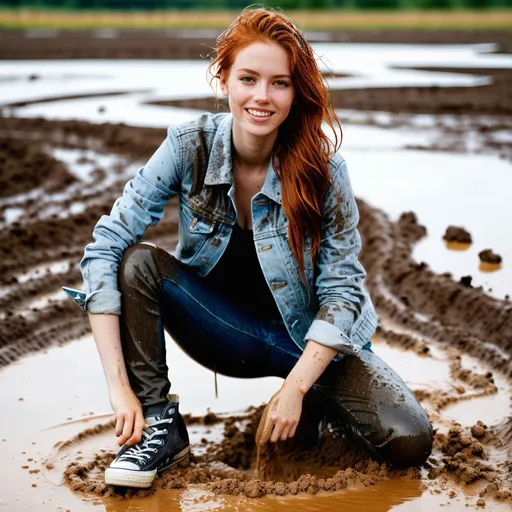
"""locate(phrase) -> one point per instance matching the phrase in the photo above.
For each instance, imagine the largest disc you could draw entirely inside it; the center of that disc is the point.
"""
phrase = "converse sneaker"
(164, 444)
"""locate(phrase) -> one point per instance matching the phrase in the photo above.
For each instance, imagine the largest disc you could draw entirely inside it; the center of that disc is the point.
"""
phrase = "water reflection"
(489, 267)
(378, 498)
(457, 246)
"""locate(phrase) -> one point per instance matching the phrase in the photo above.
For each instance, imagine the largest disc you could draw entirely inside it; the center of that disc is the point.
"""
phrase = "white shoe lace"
(143, 449)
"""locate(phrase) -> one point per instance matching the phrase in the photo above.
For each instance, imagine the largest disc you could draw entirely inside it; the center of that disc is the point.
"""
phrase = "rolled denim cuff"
(107, 302)
(327, 334)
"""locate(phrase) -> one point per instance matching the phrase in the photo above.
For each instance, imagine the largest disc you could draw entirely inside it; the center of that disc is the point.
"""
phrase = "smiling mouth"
(259, 113)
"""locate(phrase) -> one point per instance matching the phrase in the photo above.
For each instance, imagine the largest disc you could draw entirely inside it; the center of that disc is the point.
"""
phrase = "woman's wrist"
(118, 384)
(309, 367)
(295, 383)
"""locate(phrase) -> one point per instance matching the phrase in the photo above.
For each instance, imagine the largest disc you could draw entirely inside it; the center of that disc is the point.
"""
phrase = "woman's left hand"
(281, 416)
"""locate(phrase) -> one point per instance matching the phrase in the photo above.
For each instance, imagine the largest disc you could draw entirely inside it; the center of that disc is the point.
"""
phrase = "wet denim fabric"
(194, 163)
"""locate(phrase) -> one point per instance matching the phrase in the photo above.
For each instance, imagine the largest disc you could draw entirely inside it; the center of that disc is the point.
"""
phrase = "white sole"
(140, 479)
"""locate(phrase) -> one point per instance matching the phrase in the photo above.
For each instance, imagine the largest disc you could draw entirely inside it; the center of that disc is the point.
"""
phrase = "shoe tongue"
(150, 421)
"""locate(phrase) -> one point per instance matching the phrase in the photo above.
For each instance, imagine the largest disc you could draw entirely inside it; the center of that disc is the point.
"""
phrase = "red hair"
(302, 149)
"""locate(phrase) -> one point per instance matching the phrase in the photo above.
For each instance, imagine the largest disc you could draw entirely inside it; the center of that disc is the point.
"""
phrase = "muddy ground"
(419, 311)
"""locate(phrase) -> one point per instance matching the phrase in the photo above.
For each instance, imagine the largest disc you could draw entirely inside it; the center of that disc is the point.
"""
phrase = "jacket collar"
(220, 163)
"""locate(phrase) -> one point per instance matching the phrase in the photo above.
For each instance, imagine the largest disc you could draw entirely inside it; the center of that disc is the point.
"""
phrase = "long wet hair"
(302, 150)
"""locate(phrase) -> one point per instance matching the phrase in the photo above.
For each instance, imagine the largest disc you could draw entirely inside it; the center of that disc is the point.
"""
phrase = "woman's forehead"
(267, 58)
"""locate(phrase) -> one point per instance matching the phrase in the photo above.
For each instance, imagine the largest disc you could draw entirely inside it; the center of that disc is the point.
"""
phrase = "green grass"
(316, 20)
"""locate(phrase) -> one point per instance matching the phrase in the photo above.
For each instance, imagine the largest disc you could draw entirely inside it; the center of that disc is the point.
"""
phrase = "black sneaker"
(164, 444)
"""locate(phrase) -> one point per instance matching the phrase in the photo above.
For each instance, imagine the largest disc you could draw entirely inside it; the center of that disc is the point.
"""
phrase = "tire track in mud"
(418, 309)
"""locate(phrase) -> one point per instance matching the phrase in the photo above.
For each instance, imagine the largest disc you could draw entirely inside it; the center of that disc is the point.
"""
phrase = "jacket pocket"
(195, 229)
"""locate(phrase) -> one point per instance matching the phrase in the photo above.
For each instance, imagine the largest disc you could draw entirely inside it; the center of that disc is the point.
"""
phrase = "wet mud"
(433, 316)
(169, 44)
(457, 234)
(489, 256)
(26, 166)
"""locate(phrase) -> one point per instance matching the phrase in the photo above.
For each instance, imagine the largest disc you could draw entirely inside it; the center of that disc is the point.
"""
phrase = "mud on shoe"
(164, 444)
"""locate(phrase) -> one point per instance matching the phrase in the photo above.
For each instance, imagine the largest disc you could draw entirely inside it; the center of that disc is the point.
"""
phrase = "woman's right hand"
(129, 416)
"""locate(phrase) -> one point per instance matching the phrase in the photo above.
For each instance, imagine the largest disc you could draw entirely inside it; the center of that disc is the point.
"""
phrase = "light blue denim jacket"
(194, 162)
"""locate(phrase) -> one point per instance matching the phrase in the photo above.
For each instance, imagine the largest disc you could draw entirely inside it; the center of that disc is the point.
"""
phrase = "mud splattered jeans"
(363, 393)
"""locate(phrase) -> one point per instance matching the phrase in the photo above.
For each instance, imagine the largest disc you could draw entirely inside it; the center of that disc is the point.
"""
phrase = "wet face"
(259, 88)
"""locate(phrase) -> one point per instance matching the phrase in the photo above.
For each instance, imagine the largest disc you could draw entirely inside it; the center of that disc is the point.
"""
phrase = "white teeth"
(258, 113)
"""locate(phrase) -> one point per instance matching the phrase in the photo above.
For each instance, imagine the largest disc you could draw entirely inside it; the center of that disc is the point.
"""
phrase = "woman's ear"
(223, 82)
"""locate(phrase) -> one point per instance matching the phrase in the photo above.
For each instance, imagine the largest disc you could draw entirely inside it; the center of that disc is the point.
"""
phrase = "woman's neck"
(250, 151)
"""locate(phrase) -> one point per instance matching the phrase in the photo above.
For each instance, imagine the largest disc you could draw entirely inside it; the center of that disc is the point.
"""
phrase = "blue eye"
(247, 78)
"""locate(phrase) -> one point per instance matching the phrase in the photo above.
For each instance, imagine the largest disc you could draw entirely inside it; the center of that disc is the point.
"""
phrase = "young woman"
(266, 278)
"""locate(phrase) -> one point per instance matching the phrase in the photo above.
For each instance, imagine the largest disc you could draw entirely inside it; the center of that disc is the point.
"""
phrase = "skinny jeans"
(363, 394)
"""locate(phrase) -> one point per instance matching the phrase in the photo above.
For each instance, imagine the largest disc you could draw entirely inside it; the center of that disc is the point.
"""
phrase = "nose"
(261, 93)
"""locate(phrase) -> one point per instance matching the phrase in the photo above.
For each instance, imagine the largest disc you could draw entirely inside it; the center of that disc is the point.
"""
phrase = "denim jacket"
(194, 162)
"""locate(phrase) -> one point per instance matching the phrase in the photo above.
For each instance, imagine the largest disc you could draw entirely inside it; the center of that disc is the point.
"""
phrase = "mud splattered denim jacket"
(194, 162)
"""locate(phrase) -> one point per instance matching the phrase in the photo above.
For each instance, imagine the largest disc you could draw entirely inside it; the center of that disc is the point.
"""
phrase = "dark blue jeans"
(363, 393)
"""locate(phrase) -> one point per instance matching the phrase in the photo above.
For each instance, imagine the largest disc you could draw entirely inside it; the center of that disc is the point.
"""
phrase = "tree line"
(286, 5)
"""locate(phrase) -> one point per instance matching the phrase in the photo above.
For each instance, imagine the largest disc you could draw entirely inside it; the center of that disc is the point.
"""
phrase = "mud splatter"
(489, 256)
(457, 234)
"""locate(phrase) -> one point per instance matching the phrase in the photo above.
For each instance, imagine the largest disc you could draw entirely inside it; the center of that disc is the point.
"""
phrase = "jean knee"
(139, 262)
(408, 445)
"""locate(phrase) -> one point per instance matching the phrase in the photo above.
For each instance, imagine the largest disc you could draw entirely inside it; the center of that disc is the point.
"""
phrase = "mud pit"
(458, 331)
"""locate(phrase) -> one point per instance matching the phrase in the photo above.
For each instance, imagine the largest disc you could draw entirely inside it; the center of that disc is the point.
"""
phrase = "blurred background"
(238, 4)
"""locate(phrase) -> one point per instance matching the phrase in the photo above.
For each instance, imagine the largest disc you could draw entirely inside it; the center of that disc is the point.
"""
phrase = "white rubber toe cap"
(124, 464)
(129, 478)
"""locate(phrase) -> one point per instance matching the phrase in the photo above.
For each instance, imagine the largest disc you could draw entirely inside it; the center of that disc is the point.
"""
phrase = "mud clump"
(466, 281)
(489, 256)
(464, 455)
(457, 234)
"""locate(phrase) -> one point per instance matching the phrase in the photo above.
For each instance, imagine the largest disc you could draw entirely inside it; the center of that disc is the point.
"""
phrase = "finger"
(293, 429)
(137, 429)
(266, 424)
(127, 428)
(278, 430)
(264, 428)
(286, 432)
(119, 425)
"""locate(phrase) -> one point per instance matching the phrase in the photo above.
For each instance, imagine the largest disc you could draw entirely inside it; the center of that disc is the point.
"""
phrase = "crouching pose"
(265, 280)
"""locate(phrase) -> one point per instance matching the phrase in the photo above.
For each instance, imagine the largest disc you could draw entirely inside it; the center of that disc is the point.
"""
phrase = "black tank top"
(239, 278)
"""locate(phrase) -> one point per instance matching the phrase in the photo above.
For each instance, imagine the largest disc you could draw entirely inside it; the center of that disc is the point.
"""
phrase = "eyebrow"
(247, 70)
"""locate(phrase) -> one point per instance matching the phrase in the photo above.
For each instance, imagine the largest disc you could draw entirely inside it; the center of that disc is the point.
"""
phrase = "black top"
(238, 276)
